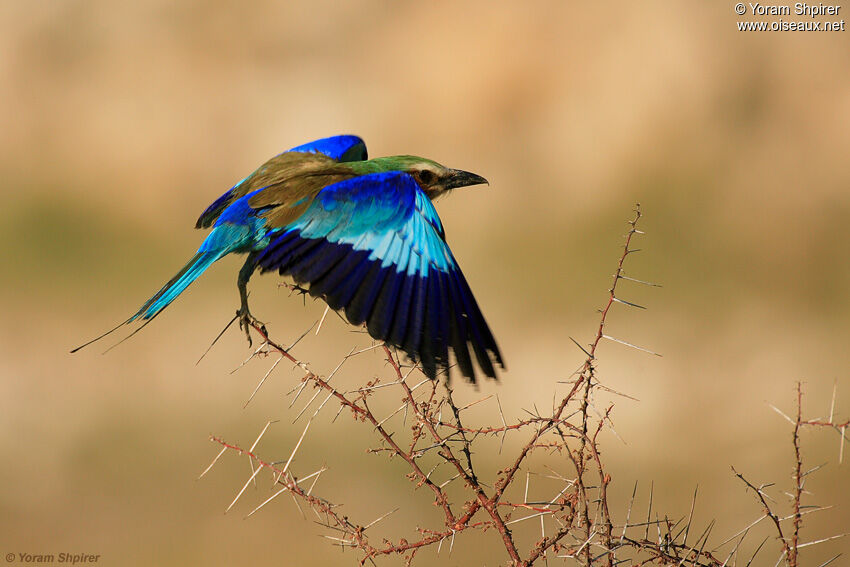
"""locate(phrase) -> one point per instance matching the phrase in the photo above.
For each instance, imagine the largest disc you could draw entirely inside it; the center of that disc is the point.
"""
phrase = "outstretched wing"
(336, 149)
(374, 247)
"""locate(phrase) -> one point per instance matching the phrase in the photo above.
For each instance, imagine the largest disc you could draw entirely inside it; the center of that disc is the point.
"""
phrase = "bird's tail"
(175, 286)
(169, 292)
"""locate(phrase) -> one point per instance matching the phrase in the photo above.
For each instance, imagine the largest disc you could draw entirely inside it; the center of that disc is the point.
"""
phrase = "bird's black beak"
(458, 178)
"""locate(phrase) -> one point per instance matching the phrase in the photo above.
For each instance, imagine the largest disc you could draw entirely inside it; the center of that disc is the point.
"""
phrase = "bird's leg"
(246, 320)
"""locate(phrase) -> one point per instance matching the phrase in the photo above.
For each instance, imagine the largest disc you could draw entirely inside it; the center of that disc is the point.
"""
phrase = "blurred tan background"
(120, 123)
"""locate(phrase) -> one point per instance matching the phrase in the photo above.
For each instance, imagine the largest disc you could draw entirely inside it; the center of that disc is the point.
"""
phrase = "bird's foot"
(246, 321)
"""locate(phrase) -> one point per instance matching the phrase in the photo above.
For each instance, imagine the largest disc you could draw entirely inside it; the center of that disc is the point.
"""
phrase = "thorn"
(367, 349)
(269, 499)
(561, 493)
(705, 535)
(263, 345)
(451, 479)
(829, 561)
(629, 303)
(615, 392)
(322, 320)
(734, 550)
(378, 386)
(342, 542)
(298, 395)
(263, 432)
(256, 472)
(308, 404)
(317, 474)
(428, 476)
(629, 513)
(813, 469)
(757, 549)
(469, 405)
(339, 411)
(297, 445)
(587, 541)
(630, 345)
(401, 407)
(543, 533)
(832, 404)
(690, 517)
(649, 510)
(822, 540)
(206, 470)
(321, 405)
(297, 505)
(524, 518)
(215, 340)
(582, 348)
(379, 519)
(251, 466)
(622, 277)
(416, 387)
(504, 424)
(777, 410)
(811, 511)
(298, 340)
(745, 530)
(260, 384)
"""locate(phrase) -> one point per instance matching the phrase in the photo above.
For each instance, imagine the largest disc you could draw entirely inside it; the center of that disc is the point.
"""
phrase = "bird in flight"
(363, 235)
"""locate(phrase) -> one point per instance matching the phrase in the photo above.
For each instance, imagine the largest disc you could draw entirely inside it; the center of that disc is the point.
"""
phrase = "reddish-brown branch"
(579, 516)
(488, 503)
(821, 423)
(362, 412)
(289, 481)
(767, 511)
(585, 374)
(427, 421)
(798, 480)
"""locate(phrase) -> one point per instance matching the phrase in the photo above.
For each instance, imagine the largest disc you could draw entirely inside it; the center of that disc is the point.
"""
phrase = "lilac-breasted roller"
(361, 234)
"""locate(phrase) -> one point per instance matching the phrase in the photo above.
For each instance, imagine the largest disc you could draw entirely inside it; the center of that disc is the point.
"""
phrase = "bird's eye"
(426, 177)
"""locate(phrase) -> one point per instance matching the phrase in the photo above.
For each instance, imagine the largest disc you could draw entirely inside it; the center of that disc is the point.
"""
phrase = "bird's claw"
(246, 321)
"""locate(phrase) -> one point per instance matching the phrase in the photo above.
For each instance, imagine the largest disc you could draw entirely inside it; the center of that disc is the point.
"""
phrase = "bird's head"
(433, 178)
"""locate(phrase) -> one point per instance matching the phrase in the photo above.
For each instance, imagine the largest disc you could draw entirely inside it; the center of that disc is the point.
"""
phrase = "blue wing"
(374, 247)
(340, 148)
